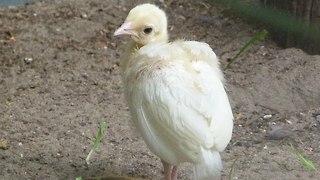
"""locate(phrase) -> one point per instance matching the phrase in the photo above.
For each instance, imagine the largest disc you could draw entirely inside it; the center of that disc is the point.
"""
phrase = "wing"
(178, 102)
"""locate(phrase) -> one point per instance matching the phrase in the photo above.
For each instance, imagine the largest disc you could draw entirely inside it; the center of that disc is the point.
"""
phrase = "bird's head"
(145, 23)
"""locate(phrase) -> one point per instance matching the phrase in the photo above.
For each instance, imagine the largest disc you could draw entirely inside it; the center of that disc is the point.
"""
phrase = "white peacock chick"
(176, 96)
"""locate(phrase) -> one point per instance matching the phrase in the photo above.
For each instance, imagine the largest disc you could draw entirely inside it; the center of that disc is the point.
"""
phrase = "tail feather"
(211, 167)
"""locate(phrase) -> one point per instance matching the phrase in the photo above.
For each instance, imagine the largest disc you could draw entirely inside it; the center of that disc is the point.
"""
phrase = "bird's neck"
(131, 48)
(160, 38)
(163, 38)
(134, 46)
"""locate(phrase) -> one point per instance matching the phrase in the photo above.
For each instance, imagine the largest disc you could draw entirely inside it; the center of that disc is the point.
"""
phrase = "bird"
(176, 95)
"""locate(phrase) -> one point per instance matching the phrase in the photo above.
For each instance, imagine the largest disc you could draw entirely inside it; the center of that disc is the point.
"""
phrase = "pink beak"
(124, 29)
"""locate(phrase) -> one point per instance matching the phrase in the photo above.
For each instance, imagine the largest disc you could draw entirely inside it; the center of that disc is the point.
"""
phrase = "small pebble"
(84, 15)
(28, 60)
(4, 144)
(265, 147)
(279, 132)
(267, 116)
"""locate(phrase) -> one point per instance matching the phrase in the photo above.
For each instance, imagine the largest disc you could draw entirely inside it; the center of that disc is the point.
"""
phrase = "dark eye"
(147, 30)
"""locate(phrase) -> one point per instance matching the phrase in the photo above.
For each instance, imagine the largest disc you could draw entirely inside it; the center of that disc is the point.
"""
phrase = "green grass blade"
(102, 129)
(79, 178)
(258, 37)
(308, 164)
(232, 168)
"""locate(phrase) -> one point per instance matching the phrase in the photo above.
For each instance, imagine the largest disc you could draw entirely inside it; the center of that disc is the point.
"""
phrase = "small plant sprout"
(79, 178)
(258, 37)
(232, 168)
(308, 164)
(102, 129)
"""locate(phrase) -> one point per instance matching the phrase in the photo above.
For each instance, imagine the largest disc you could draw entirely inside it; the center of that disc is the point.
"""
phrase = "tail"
(211, 167)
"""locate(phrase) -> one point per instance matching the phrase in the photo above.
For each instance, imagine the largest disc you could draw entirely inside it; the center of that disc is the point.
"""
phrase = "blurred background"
(292, 23)
(12, 2)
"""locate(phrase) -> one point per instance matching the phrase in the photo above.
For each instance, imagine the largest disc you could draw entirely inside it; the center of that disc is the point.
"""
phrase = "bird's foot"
(170, 171)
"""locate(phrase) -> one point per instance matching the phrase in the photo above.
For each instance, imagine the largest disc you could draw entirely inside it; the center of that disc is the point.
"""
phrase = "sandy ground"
(59, 78)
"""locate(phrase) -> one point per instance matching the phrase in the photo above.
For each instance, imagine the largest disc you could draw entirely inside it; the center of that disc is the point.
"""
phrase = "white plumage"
(176, 95)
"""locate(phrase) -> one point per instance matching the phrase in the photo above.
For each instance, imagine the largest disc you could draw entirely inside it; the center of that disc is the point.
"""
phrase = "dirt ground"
(59, 78)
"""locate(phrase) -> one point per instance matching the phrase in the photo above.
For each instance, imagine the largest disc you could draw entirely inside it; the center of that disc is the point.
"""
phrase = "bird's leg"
(167, 170)
(174, 173)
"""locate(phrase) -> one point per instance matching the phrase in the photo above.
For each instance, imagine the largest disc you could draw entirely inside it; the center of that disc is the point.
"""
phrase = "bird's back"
(178, 102)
